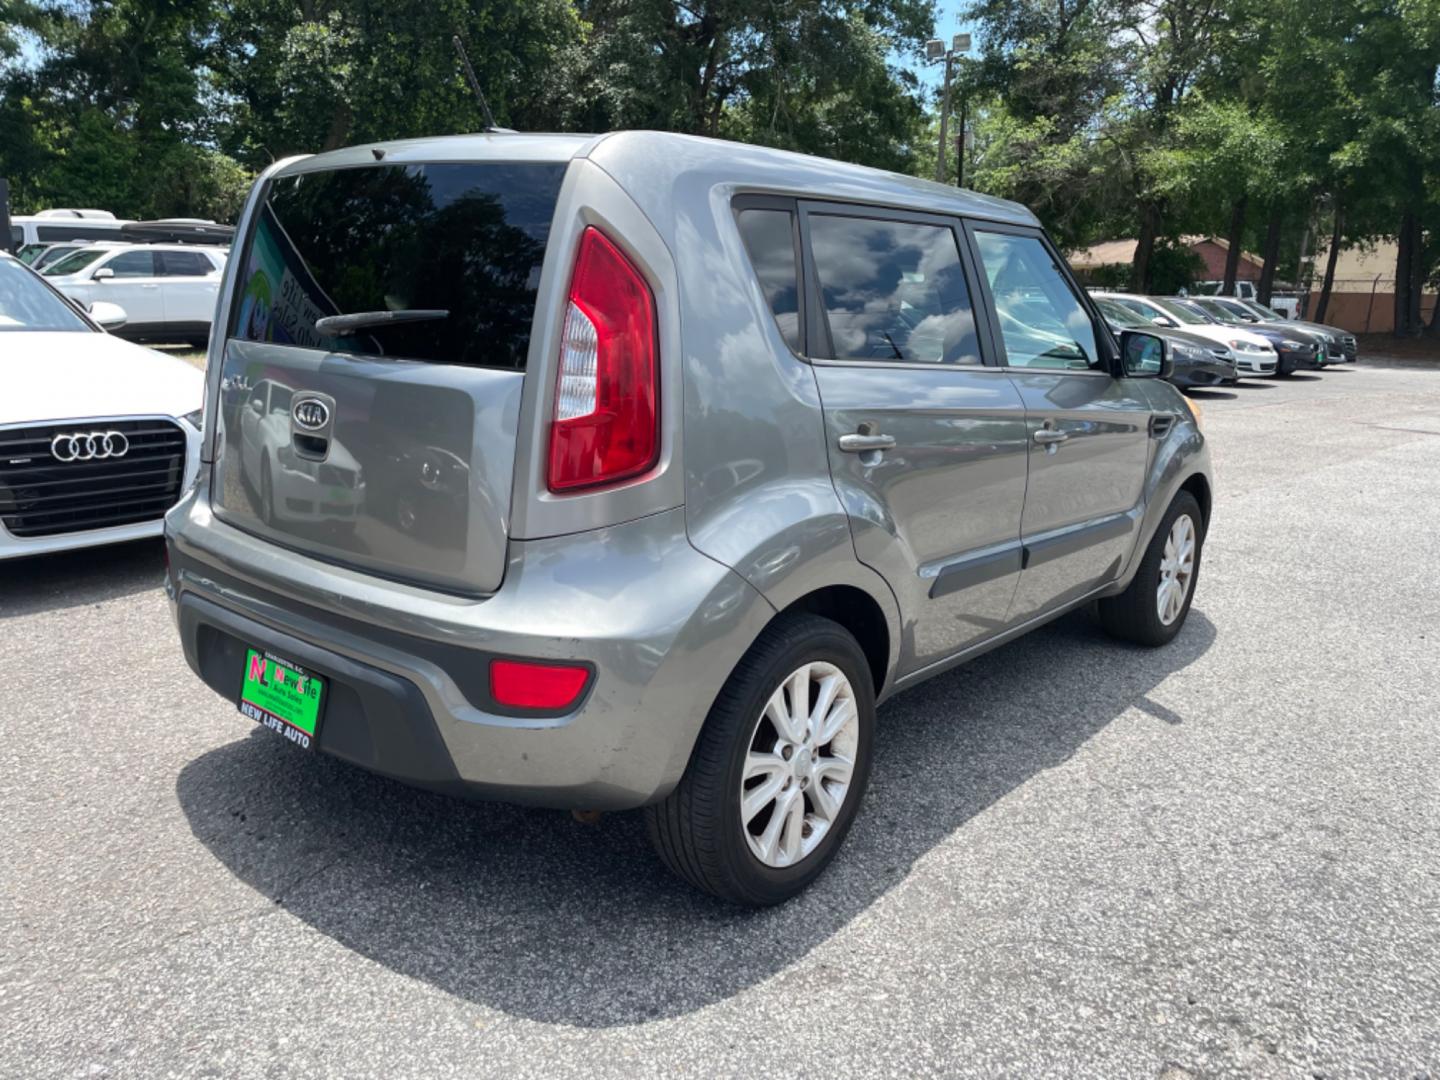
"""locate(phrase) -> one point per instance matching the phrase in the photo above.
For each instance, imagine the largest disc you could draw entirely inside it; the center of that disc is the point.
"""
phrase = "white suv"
(167, 290)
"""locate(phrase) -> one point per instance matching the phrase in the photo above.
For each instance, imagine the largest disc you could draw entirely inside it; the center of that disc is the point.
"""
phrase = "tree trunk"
(341, 117)
(1236, 238)
(1329, 283)
(1416, 292)
(1271, 255)
(1404, 259)
(1145, 247)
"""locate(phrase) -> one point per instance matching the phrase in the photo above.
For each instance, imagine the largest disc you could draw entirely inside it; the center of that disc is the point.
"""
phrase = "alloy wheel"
(1177, 570)
(799, 764)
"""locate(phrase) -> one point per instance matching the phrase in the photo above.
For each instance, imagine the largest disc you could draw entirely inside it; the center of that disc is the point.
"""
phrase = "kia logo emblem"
(312, 414)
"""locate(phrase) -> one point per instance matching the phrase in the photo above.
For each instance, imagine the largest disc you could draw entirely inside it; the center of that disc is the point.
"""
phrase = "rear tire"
(748, 783)
(1149, 611)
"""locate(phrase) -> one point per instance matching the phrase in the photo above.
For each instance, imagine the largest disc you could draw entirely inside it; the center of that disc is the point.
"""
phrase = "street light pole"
(944, 120)
(934, 50)
(960, 139)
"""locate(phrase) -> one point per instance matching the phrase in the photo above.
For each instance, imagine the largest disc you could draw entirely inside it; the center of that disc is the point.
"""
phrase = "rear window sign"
(279, 300)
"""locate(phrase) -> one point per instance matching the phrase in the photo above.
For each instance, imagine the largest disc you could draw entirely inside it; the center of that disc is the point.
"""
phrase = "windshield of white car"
(1180, 312)
(1121, 315)
(26, 304)
(1266, 315)
(72, 263)
(1221, 312)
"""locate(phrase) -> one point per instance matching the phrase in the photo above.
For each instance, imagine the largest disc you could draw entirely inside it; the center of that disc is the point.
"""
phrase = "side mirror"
(103, 274)
(1163, 320)
(1145, 356)
(257, 406)
(109, 316)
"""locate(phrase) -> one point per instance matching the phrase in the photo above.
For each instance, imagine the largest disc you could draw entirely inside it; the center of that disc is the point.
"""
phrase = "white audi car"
(98, 437)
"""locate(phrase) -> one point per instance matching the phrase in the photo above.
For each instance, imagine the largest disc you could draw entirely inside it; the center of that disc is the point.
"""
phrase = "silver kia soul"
(634, 470)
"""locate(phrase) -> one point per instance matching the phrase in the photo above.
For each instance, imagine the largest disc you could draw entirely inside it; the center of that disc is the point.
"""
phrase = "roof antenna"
(475, 85)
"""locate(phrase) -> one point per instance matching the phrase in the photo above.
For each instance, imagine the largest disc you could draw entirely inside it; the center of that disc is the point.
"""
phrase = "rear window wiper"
(340, 325)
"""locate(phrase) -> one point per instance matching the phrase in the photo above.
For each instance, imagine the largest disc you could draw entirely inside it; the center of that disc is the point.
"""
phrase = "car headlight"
(1181, 351)
(1290, 344)
(1248, 346)
(195, 419)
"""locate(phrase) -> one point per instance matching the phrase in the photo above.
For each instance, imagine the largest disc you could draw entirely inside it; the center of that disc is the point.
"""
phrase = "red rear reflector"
(523, 684)
(605, 426)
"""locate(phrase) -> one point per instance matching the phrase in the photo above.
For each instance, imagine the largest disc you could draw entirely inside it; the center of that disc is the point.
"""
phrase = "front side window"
(893, 291)
(133, 264)
(456, 246)
(769, 237)
(1041, 321)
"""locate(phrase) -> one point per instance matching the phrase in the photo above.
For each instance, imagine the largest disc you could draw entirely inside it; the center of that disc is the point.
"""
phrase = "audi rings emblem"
(89, 446)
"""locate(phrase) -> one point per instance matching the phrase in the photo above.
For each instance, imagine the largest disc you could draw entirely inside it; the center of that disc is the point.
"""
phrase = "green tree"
(808, 75)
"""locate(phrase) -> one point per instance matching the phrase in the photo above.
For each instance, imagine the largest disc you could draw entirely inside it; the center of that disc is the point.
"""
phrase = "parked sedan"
(1340, 343)
(98, 437)
(167, 289)
(1254, 355)
(1197, 361)
(1296, 348)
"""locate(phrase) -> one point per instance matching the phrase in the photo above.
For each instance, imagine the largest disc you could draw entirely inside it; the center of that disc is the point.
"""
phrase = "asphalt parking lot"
(1076, 858)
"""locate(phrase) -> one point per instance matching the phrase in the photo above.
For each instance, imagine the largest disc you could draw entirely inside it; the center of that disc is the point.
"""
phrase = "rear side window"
(893, 291)
(769, 237)
(465, 239)
(183, 264)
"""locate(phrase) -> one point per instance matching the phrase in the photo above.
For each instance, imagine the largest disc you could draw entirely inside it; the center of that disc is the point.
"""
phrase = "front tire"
(779, 769)
(1154, 608)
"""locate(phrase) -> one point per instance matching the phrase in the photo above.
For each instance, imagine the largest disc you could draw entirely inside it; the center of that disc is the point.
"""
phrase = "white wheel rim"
(1177, 570)
(799, 764)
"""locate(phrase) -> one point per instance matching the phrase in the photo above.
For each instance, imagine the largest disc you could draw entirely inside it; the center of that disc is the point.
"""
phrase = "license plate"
(282, 695)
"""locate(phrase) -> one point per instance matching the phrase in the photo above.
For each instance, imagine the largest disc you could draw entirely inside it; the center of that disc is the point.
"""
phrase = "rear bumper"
(661, 624)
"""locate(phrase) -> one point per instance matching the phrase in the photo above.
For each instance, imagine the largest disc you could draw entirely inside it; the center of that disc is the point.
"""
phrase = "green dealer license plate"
(283, 696)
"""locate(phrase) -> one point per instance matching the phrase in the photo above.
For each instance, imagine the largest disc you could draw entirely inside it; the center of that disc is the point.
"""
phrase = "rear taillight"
(606, 423)
(525, 684)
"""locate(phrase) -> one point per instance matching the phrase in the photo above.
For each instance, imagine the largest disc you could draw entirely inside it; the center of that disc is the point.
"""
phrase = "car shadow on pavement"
(76, 578)
(530, 913)
(1200, 393)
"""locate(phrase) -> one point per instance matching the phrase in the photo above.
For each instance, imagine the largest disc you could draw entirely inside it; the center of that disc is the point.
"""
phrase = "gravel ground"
(1217, 859)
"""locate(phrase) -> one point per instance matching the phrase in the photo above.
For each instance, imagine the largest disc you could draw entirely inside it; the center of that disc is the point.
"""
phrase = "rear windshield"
(466, 240)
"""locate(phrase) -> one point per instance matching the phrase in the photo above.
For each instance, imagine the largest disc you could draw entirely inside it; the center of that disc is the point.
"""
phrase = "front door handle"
(860, 444)
(1049, 436)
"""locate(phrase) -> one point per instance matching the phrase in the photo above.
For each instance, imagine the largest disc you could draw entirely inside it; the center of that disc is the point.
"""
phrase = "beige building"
(1362, 299)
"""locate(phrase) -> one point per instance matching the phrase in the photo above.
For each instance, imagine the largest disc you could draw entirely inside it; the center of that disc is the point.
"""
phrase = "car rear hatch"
(386, 441)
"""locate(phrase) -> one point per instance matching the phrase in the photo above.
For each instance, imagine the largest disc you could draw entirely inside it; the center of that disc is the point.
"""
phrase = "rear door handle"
(1048, 436)
(859, 444)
